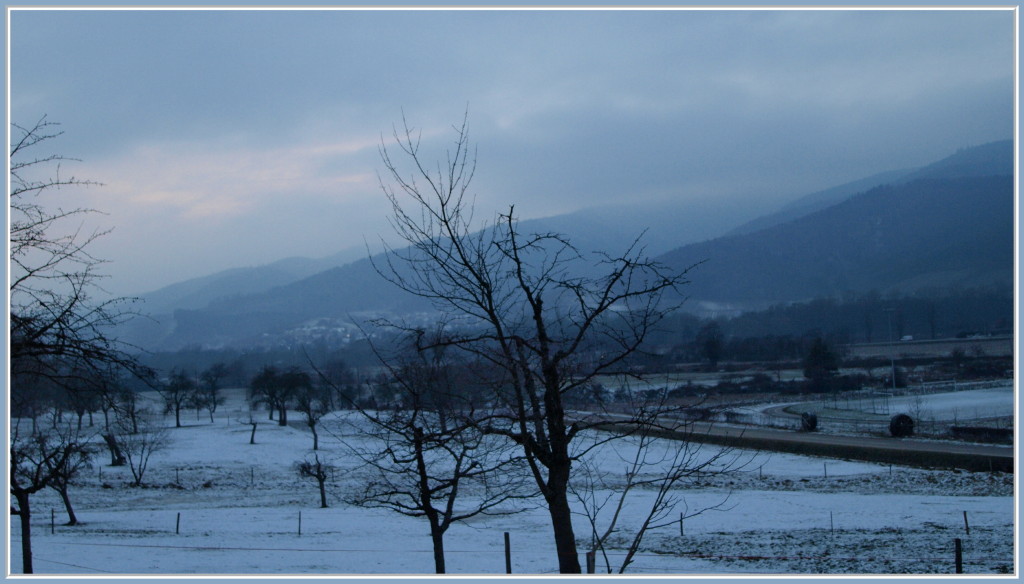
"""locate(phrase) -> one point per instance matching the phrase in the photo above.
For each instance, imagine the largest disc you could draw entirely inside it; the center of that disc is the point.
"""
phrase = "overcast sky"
(236, 138)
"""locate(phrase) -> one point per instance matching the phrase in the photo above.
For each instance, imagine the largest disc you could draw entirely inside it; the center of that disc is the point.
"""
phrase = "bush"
(901, 425)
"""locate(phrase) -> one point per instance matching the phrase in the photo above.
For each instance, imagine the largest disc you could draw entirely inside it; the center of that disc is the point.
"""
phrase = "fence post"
(967, 527)
(959, 556)
(508, 555)
(177, 524)
(591, 561)
(52, 520)
(300, 523)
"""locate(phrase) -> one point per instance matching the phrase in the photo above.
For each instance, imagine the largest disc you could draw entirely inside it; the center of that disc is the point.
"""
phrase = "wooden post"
(300, 523)
(681, 533)
(959, 556)
(591, 561)
(967, 527)
(825, 466)
(508, 555)
(52, 521)
(177, 524)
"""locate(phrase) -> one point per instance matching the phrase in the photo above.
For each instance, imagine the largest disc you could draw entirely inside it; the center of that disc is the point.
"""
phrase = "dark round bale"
(808, 422)
(901, 425)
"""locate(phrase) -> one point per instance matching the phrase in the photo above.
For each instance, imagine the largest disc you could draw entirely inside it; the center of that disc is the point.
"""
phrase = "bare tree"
(208, 393)
(277, 390)
(57, 325)
(178, 392)
(139, 446)
(317, 470)
(72, 454)
(312, 401)
(59, 330)
(424, 453)
(656, 462)
(31, 460)
(529, 304)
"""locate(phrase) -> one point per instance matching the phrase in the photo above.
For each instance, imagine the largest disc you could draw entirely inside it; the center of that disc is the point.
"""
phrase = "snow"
(240, 507)
(972, 404)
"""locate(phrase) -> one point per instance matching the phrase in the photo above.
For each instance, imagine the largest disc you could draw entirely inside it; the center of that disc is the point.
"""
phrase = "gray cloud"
(246, 128)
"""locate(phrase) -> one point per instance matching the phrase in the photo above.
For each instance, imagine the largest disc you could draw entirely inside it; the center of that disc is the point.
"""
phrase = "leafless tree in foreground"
(528, 304)
(60, 328)
(657, 462)
(29, 474)
(424, 456)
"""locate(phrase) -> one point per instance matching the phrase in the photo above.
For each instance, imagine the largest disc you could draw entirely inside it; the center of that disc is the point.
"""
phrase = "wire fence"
(979, 558)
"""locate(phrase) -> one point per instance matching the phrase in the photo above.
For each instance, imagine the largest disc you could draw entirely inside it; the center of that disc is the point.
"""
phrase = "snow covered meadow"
(214, 504)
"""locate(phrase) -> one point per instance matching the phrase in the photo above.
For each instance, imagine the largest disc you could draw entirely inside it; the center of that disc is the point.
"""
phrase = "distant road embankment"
(904, 451)
(1001, 346)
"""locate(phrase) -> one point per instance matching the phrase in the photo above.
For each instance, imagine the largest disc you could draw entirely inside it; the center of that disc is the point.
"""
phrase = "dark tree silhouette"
(59, 330)
(528, 304)
(317, 470)
(821, 364)
(425, 450)
(710, 344)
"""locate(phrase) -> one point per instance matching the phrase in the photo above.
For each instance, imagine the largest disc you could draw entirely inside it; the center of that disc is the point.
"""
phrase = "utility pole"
(892, 350)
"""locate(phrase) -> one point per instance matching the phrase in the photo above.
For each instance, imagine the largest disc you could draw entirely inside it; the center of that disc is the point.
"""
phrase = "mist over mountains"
(948, 224)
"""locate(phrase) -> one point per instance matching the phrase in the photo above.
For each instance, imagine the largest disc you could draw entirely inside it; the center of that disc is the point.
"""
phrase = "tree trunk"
(438, 537)
(282, 417)
(72, 520)
(252, 437)
(316, 439)
(323, 494)
(116, 456)
(177, 417)
(25, 513)
(561, 521)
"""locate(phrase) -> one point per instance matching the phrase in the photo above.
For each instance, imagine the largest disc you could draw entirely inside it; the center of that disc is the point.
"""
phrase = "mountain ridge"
(355, 287)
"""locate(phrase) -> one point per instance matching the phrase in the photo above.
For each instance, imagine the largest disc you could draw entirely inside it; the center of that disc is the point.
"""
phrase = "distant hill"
(992, 159)
(820, 200)
(246, 303)
(198, 292)
(927, 233)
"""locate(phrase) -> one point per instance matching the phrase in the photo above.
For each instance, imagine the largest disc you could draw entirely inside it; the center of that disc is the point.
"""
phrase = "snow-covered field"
(237, 509)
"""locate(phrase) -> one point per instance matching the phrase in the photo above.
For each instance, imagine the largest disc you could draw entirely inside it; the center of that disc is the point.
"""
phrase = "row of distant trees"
(783, 332)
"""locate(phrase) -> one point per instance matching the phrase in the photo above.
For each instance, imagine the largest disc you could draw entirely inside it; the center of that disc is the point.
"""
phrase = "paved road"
(924, 453)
